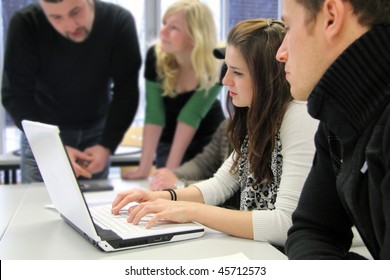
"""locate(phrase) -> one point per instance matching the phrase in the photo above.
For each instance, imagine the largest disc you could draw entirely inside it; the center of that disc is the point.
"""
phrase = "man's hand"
(99, 158)
(79, 161)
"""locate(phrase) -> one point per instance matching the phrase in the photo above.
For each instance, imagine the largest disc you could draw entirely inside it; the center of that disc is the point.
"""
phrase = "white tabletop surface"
(33, 230)
(9, 159)
(10, 198)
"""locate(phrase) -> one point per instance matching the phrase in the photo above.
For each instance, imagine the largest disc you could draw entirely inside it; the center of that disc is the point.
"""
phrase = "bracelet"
(172, 193)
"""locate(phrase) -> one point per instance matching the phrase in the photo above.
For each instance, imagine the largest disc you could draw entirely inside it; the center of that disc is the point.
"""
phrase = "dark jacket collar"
(356, 87)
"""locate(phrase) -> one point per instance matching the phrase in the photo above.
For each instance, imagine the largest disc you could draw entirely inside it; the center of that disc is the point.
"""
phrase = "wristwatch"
(179, 184)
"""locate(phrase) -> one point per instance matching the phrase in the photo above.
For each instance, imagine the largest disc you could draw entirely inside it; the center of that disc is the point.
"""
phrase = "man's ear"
(334, 15)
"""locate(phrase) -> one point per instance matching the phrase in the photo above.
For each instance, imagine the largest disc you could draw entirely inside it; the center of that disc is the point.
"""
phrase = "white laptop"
(106, 231)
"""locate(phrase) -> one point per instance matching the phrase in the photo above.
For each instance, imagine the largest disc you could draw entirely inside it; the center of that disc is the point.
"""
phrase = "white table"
(38, 232)
(10, 198)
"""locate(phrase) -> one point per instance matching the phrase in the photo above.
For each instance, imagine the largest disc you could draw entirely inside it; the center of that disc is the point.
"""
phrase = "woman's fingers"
(125, 198)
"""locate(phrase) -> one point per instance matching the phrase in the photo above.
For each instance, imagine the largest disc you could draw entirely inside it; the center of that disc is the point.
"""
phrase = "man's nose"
(282, 54)
(70, 25)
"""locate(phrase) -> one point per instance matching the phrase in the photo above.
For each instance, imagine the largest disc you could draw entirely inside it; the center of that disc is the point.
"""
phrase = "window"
(247, 9)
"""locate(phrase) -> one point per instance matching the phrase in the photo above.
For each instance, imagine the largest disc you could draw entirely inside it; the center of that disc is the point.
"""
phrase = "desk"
(10, 198)
(36, 232)
(124, 156)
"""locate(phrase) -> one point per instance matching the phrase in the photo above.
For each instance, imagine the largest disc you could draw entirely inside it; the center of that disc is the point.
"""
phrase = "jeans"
(78, 138)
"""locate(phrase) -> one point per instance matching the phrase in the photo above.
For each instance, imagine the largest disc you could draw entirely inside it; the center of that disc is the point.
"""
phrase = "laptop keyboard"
(103, 217)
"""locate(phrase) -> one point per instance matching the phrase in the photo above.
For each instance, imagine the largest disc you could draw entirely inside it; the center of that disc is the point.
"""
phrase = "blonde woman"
(181, 73)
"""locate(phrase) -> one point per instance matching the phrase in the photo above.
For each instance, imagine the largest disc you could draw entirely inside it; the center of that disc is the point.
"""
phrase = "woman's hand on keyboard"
(163, 210)
(135, 195)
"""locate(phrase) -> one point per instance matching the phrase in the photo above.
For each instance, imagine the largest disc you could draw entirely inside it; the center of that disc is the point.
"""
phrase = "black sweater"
(349, 183)
(51, 79)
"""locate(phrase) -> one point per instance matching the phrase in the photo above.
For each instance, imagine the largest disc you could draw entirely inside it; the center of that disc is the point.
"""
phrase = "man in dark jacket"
(337, 55)
(75, 64)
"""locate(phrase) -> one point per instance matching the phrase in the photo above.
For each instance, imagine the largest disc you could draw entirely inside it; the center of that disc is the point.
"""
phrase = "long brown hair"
(258, 41)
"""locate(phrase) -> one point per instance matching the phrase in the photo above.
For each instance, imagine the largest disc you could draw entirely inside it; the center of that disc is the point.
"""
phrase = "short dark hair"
(369, 12)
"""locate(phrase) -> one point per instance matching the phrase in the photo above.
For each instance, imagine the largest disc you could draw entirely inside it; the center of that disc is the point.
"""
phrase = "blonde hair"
(201, 28)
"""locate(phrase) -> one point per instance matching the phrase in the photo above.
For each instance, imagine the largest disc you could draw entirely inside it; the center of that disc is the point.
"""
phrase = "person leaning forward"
(75, 64)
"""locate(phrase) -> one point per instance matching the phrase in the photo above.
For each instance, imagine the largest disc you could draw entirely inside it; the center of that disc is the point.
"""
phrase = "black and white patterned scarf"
(259, 196)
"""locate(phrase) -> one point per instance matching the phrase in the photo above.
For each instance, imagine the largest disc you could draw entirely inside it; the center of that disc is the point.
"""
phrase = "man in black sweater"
(75, 64)
(337, 56)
